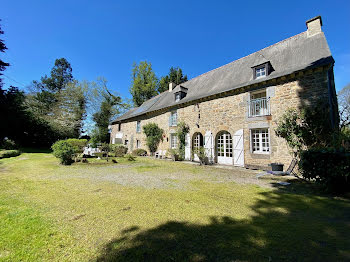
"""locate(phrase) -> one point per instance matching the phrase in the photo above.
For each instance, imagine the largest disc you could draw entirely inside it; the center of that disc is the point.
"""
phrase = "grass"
(161, 210)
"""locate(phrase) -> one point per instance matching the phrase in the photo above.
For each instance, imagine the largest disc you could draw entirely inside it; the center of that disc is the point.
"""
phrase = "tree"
(154, 135)
(46, 91)
(344, 107)
(175, 76)
(60, 101)
(108, 106)
(70, 109)
(3, 64)
(308, 128)
(61, 75)
(144, 83)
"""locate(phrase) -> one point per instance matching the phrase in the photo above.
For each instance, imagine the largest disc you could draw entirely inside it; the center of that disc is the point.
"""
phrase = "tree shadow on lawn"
(285, 227)
(35, 150)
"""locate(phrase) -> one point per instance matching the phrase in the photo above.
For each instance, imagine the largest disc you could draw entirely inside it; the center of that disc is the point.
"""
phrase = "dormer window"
(262, 70)
(177, 97)
(180, 92)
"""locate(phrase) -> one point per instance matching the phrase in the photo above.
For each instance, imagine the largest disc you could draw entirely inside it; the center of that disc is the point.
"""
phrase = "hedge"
(9, 153)
(329, 167)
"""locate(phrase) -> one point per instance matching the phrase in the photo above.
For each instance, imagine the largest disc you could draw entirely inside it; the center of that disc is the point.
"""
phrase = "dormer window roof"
(180, 92)
(262, 70)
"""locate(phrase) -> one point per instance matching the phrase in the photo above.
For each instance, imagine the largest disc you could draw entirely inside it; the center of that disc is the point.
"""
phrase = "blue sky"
(104, 38)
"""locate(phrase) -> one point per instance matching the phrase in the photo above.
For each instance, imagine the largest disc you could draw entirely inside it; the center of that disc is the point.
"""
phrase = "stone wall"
(230, 113)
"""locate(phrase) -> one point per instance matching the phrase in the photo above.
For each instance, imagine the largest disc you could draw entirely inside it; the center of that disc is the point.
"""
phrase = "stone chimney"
(171, 86)
(314, 26)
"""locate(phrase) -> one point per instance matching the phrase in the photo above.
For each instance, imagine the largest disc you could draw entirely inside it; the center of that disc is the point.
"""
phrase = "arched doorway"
(224, 148)
(197, 142)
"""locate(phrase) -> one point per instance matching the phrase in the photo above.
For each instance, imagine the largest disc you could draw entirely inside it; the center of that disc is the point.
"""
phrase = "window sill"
(260, 153)
(257, 116)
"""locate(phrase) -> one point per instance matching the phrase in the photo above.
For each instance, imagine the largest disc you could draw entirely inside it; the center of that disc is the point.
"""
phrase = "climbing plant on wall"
(182, 130)
(153, 136)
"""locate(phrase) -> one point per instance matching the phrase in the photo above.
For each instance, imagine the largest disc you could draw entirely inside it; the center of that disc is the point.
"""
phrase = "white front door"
(188, 147)
(238, 148)
(224, 148)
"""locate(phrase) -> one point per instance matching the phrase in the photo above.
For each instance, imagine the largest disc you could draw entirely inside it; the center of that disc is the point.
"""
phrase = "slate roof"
(290, 55)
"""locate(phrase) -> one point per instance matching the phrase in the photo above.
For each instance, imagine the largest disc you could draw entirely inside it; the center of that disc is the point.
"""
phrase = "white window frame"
(138, 126)
(262, 149)
(177, 97)
(173, 141)
(173, 118)
(264, 100)
(259, 71)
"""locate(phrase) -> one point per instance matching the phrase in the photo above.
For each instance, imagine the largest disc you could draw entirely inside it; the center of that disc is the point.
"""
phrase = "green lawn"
(161, 210)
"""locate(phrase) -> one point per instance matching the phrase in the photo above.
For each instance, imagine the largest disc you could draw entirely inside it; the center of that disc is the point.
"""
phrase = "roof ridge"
(297, 35)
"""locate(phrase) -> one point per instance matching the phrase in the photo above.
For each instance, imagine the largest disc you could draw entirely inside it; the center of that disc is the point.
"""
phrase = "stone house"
(232, 111)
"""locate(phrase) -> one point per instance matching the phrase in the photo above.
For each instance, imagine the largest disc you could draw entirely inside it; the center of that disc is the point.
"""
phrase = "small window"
(260, 141)
(138, 143)
(177, 97)
(119, 126)
(173, 141)
(173, 118)
(126, 142)
(260, 72)
(138, 126)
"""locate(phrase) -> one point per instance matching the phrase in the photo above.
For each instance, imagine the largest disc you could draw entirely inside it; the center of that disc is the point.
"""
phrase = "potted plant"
(276, 166)
(174, 154)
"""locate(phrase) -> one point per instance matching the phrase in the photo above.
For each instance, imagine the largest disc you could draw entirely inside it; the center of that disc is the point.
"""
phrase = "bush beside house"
(118, 150)
(154, 134)
(318, 146)
(329, 167)
(139, 152)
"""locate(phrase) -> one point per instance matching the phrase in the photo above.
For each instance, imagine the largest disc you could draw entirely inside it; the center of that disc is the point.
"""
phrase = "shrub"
(118, 150)
(329, 167)
(200, 152)
(78, 144)
(175, 154)
(130, 157)
(64, 151)
(9, 144)
(154, 135)
(139, 152)
(9, 153)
